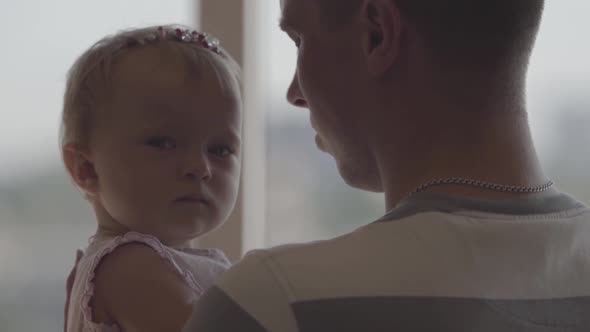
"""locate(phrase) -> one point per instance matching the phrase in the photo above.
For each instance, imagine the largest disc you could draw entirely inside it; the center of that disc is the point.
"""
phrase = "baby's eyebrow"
(234, 137)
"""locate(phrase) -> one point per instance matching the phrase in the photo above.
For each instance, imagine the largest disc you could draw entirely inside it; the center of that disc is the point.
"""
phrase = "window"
(42, 216)
(298, 195)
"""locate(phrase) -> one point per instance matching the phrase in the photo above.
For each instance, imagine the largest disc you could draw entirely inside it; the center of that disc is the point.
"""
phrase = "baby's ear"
(81, 168)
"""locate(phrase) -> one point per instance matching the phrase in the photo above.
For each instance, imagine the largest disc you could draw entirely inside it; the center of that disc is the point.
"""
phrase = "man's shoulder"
(351, 250)
(298, 271)
(253, 295)
(277, 261)
(306, 255)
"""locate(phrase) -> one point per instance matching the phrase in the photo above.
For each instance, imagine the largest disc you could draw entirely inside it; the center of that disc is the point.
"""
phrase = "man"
(423, 100)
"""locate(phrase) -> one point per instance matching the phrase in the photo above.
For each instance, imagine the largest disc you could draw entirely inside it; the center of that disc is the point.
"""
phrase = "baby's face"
(166, 148)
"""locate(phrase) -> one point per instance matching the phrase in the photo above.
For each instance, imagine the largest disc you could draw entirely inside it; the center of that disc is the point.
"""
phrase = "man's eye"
(162, 143)
(220, 151)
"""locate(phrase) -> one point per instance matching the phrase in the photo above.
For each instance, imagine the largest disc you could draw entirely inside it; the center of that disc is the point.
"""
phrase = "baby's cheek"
(126, 201)
(230, 192)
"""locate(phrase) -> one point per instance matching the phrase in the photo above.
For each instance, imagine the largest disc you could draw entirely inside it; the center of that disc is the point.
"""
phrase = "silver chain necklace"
(485, 185)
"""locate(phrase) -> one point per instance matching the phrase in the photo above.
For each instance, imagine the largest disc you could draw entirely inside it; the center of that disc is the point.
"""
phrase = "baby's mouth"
(194, 199)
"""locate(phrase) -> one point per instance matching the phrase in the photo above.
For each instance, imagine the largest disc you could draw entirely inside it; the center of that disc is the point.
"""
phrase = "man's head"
(364, 64)
(459, 31)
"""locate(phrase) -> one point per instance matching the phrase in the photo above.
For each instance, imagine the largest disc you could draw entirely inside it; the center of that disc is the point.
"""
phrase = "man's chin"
(359, 178)
(320, 143)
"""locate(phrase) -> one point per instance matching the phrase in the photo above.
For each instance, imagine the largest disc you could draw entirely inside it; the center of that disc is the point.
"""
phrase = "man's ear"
(81, 168)
(383, 26)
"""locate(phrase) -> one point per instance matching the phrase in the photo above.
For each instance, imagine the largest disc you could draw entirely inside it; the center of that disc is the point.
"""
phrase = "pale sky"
(41, 39)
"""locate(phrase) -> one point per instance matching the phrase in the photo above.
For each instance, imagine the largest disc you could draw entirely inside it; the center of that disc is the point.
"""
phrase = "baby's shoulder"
(133, 281)
(137, 259)
(133, 259)
(131, 269)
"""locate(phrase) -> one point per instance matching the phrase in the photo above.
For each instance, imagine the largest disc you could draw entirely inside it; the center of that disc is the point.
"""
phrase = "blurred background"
(301, 198)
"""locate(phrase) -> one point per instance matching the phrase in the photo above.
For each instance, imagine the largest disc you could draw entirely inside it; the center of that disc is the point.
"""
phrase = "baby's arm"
(139, 291)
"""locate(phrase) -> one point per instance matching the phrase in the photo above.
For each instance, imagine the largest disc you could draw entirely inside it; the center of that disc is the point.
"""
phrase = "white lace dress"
(197, 267)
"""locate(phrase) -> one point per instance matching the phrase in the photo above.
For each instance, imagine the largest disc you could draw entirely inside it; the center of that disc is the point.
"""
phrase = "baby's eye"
(220, 151)
(162, 143)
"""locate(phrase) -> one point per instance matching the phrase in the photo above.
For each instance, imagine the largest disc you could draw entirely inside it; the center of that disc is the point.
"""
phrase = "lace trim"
(130, 237)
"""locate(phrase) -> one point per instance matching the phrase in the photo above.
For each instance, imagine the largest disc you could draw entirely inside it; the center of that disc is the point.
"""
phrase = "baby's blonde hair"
(89, 77)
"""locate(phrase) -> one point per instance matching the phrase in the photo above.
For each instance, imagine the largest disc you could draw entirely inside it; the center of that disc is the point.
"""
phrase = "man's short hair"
(481, 32)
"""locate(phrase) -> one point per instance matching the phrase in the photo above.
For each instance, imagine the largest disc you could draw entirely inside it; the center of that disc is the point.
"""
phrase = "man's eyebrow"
(284, 24)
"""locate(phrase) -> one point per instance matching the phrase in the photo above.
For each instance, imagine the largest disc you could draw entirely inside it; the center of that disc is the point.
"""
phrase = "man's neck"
(480, 134)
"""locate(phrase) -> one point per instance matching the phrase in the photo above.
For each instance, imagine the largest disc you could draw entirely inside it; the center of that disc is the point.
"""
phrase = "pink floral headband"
(200, 38)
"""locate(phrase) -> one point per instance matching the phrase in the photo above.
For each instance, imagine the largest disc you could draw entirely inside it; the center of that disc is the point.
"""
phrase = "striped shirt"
(434, 263)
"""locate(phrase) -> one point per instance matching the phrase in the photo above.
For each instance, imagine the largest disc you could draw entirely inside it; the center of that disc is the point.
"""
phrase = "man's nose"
(294, 95)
